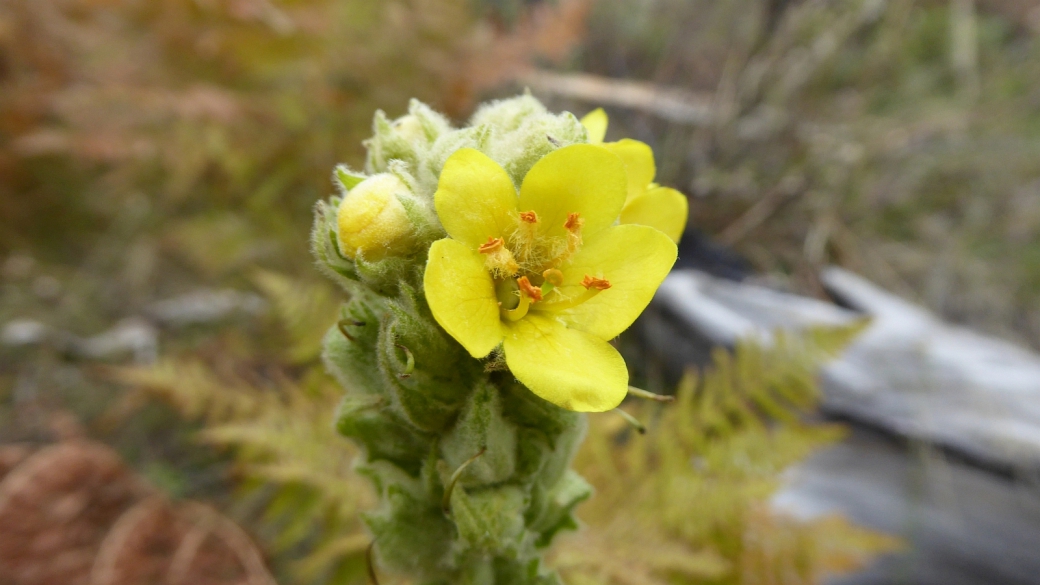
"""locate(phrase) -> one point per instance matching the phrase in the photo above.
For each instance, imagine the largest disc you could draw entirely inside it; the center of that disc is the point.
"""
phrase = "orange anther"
(492, 245)
(528, 217)
(591, 282)
(554, 276)
(574, 222)
(533, 292)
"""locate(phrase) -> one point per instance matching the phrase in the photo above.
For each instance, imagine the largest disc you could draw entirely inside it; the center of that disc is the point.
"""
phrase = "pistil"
(553, 278)
(519, 312)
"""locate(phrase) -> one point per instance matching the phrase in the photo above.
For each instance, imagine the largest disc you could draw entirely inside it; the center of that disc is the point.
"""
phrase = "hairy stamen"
(491, 245)
(573, 226)
(527, 235)
(574, 222)
(499, 262)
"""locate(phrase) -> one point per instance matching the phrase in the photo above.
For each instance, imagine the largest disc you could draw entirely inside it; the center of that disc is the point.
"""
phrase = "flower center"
(517, 296)
(525, 268)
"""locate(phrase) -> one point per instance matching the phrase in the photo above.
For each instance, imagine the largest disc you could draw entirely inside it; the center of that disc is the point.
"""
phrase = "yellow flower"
(647, 203)
(545, 272)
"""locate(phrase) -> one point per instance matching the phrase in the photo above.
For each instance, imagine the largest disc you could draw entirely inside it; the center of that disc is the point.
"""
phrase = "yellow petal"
(635, 259)
(639, 164)
(461, 295)
(595, 123)
(475, 198)
(660, 207)
(580, 178)
(570, 368)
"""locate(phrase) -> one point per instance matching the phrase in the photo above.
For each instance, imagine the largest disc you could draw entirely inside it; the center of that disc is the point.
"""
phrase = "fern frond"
(193, 389)
(305, 310)
(700, 479)
(298, 470)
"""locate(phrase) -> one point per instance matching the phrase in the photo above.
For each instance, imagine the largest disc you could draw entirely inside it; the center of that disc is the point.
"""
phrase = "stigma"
(553, 276)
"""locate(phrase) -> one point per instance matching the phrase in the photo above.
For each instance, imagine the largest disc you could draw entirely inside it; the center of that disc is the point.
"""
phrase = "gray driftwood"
(946, 448)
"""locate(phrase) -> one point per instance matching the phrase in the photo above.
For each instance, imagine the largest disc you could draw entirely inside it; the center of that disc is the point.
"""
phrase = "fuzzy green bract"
(421, 406)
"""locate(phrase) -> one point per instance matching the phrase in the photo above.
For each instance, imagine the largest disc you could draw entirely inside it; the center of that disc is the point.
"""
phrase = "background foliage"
(898, 138)
(155, 150)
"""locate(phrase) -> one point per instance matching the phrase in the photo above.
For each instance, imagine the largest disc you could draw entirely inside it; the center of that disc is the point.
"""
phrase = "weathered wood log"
(909, 373)
(668, 103)
(946, 441)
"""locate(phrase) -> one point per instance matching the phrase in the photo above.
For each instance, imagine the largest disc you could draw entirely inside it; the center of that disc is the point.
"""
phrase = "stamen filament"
(566, 304)
(519, 312)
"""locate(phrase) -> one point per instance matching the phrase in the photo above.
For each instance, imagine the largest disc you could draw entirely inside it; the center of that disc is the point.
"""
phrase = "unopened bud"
(372, 221)
(410, 128)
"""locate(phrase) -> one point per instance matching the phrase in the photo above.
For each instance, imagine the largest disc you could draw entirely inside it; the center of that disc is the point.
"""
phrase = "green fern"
(700, 479)
(297, 470)
(305, 312)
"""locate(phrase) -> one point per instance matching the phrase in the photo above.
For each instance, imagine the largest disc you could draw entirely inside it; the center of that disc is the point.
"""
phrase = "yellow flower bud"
(372, 222)
(410, 128)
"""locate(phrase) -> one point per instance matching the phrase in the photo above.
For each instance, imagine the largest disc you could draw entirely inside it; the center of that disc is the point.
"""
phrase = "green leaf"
(348, 178)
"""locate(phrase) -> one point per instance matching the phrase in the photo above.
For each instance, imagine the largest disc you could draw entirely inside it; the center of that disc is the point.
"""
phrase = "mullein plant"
(487, 268)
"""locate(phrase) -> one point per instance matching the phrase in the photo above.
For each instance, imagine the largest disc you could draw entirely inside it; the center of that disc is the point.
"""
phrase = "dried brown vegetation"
(74, 514)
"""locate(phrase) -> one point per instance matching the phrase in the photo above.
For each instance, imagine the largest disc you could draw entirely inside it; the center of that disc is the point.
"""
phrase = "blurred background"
(164, 416)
